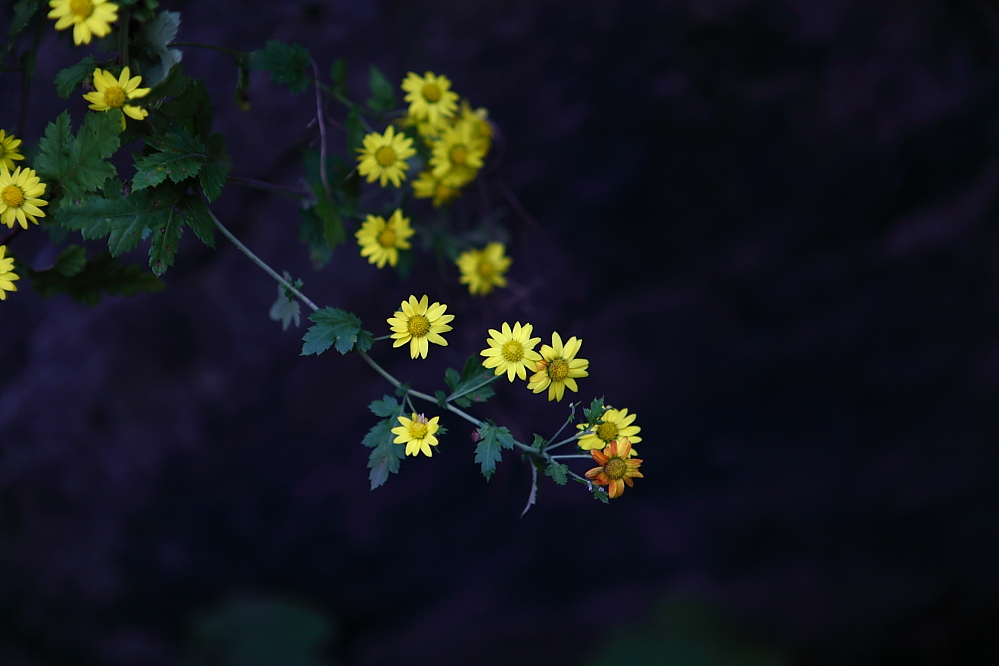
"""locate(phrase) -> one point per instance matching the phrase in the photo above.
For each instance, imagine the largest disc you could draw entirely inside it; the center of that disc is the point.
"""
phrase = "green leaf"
(385, 455)
(595, 412)
(178, 156)
(355, 131)
(199, 218)
(165, 237)
(387, 406)
(338, 72)
(102, 274)
(382, 93)
(473, 383)
(23, 11)
(287, 63)
(153, 37)
(212, 176)
(78, 164)
(488, 451)
(598, 491)
(333, 231)
(71, 78)
(402, 389)
(333, 326)
(558, 472)
(539, 442)
(285, 309)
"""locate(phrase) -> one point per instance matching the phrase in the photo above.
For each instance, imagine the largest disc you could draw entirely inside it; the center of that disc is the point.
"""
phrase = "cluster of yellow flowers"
(19, 202)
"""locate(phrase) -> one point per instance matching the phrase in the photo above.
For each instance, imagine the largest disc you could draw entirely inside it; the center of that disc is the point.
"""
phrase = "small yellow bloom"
(19, 192)
(616, 423)
(617, 467)
(483, 269)
(381, 241)
(7, 274)
(511, 350)
(88, 17)
(420, 324)
(112, 93)
(559, 368)
(417, 433)
(426, 186)
(8, 150)
(478, 122)
(457, 156)
(383, 157)
(430, 97)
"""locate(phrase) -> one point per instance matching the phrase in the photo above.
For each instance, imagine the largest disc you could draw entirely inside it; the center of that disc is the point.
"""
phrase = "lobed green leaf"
(178, 156)
(85, 281)
(71, 78)
(335, 327)
(489, 450)
(386, 406)
(385, 455)
(472, 385)
(76, 165)
(287, 63)
(557, 471)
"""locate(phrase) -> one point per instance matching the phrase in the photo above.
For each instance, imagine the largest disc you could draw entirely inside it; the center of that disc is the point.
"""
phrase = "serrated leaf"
(287, 63)
(154, 36)
(382, 92)
(385, 455)
(69, 79)
(23, 11)
(472, 385)
(557, 471)
(72, 165)
(489, 450)
(212, 176)
(539, 442)
(102, 274)
(595, 411)
(285, 309)
(199, 218)
(335, 327)
(178, 156)
(386, 406)
(165, 237)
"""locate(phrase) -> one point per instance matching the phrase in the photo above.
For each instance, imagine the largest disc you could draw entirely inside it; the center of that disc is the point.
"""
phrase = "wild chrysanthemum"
(417, 433)
(7, 274)
(419, 324)
(112, 93)
(511, 350)
(457, 156)
(8, 150)
(616, 423)
(617, 467)
(383, 157)
(478, 121)
(426, 186)
(88, 17)
(381, 241)
(483, 269)
(558, 368)
(430, 97)
(19, 192)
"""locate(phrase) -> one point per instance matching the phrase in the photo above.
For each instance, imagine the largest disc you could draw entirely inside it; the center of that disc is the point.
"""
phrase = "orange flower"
(616, 467)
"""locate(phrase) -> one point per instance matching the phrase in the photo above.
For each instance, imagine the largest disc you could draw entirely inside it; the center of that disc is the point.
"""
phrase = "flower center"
(418, 430)
(418, 326)
(385, 156)
(513, 351)
(486, 269)
(432, 92)
(616, 469)
(558, 369)
(81, 8)
(12, 196)
(607, 431)
(114, 97)
(387, 237)
(459, 154)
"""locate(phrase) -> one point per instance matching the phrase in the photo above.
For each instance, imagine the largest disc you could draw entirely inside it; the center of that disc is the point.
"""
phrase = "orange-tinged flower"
(616, 467)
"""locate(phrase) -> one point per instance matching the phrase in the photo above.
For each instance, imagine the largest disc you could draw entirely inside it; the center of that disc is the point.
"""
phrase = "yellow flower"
(430, 97)
(616, 423)
(8, 150)
(381, 241)
(7, 274)
(617, 467)
(88, 17)
(419, 324)
(478, 122)
(112, 93)
(417, 433)
(384, 156)
(483, 269)
(558, 368)
(426, 186)
(19, 192)
(511, 350)
(457, 156)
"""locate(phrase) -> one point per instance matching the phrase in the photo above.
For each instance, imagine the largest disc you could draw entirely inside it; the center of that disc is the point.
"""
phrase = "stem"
(471, 389)
(320, 115)
(565, 441)
(572, 455)
(210, 47)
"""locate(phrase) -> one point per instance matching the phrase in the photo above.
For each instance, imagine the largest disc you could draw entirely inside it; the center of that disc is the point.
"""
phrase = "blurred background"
(772, 223)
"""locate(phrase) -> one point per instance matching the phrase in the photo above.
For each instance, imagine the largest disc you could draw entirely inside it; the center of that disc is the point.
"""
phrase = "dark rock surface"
(772, 223)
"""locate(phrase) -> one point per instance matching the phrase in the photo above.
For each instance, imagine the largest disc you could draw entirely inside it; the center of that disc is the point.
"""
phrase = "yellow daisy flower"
(7, 274)
(384, 156)
(381, 241)
(419, 324)
(617, 467)
(112, 93)
(88, 17)
(478, 121)
(616, 423)
(511, 350)
(483, 269)
(558, 368)
(19, 192)
(8, 150)
(417, 433)
(457, 156)
(430, 97)
(426, 186)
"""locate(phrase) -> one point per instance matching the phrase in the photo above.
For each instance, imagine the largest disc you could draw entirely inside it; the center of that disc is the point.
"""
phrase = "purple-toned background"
(773, 224)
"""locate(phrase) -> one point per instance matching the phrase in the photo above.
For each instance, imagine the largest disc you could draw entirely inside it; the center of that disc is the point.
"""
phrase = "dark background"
(771, 223)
